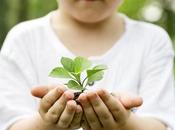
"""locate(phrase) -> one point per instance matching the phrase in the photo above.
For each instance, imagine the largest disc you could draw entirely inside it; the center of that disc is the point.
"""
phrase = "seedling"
(72, 69)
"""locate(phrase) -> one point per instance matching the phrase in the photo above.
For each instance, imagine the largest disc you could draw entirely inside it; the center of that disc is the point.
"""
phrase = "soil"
(76, 95)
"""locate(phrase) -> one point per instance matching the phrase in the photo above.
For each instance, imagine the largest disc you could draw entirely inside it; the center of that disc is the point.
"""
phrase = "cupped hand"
(103, 111)
(57, 107)
(123, 99)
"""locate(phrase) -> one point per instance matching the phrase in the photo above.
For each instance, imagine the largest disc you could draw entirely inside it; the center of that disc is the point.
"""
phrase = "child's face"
(89, 11)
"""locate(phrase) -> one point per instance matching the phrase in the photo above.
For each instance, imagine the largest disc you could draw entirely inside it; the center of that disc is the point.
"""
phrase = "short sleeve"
(17, 76)
(157, 81)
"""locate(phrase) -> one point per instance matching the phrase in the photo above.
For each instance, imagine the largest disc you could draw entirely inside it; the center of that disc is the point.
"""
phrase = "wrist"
(143, 123)
(33, 123)
(130, 123)
(40, 124)
(43, 125)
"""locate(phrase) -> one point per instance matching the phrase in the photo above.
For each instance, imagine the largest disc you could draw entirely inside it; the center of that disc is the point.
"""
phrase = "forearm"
(142, 123)
(33, 123)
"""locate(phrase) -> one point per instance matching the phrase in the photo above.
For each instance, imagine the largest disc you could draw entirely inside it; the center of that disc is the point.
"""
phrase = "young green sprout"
(72, 70)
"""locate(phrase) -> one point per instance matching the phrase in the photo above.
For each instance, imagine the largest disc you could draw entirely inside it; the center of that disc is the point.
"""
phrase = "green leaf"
(74, 85)
(96, 73)
(95, 76)
(95, 70)
(102, 67)
(77, 76)
(68, 64)
(92, 72)
(72, 69)
(81, 64)
(60, 72)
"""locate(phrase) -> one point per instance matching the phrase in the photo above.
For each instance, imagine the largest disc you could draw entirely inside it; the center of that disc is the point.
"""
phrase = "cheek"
(113, 3)
(66, 4)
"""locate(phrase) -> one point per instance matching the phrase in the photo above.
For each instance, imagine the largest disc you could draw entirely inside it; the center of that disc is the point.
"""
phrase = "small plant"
(72, 70)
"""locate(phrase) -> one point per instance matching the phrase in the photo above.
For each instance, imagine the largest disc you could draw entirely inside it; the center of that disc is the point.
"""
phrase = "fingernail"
(92, 95)
(82, 98)
(68, 95)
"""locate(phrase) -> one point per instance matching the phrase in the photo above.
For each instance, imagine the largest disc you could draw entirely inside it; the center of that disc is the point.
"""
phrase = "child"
(139, 57)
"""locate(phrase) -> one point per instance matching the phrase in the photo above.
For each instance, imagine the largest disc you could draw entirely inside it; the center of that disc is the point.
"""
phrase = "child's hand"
(129, 101)
(103, 111)
(57, 108)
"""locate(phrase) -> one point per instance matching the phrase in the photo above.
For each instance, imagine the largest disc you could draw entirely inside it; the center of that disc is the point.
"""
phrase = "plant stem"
(84, 82)
(80, 84)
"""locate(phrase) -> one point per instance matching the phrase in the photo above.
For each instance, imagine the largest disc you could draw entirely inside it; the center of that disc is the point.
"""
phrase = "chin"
(93, 18)
(89, 20)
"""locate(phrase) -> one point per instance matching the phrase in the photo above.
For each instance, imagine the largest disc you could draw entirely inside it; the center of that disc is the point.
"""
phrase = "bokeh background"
(160, 12)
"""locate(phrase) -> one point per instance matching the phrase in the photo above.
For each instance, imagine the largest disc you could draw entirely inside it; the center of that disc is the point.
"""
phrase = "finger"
(103, 113)
(67, 115)
(85, 124)
(114, 105)
(76, 122)
(49, 99)
(41, 91)
(58, 107)
(129, 101)
(91, 116)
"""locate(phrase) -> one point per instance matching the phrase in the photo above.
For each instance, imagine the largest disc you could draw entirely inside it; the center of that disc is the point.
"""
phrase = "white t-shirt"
(141, 62)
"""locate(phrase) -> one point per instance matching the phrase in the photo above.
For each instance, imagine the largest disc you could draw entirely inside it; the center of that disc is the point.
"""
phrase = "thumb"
(129, 101)
(41, 91)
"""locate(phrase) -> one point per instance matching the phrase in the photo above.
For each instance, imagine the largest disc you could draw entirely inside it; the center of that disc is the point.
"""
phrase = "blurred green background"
(161, 12)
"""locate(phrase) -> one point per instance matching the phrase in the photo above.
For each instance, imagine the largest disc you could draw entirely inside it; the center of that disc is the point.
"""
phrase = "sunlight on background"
(148, 14)
(173, 6)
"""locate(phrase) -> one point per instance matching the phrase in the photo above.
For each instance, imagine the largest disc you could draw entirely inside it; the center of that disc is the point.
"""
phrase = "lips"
(89, 0)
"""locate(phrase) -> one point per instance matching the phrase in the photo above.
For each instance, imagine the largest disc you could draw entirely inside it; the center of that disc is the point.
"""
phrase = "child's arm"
(143, 123)
(33, 123)
(57, 112)
(108, 113)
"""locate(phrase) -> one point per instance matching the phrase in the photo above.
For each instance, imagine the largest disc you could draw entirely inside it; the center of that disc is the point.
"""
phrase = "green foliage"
(15, 11)
(96, 73)
(68, 64)
(132, 8)
(72, 70)
(72, 84)
(60, 72)
(81, 64)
